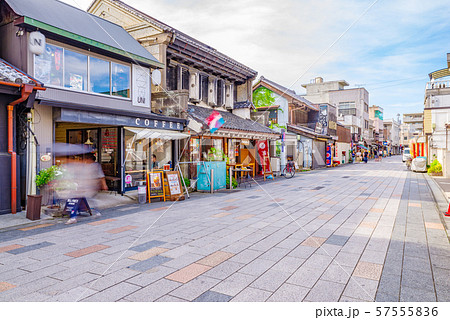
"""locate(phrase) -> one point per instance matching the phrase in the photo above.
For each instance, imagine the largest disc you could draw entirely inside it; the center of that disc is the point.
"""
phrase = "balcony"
(433, 85)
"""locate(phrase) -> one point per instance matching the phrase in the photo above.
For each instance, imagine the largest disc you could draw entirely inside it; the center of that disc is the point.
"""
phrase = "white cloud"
(395, 40)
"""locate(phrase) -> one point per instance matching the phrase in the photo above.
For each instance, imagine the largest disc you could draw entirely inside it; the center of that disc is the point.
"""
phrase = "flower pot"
(34, 207)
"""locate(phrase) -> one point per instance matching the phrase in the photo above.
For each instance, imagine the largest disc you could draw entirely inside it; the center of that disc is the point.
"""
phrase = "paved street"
(361, 232)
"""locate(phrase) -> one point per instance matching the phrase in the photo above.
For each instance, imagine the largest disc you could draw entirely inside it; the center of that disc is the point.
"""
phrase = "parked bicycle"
(289, 170)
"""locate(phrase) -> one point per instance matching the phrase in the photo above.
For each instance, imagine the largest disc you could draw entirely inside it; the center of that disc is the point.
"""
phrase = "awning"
(157, 134)
(361, 146)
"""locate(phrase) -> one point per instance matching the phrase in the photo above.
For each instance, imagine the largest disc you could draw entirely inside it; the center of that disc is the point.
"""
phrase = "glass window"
(99, 76)
(48, 67)
(75, 70)
(120, 80)
(136, 158)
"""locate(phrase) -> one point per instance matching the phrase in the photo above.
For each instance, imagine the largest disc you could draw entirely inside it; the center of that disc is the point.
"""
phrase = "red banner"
(263, 151)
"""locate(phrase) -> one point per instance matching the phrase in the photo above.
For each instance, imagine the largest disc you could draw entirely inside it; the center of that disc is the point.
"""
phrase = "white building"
(392, 138)
(352, 104)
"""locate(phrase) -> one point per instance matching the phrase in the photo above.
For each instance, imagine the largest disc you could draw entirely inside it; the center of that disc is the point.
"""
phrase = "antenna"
(360, 85)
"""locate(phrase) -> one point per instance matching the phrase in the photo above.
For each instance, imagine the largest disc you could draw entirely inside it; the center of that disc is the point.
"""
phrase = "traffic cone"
(447, 214)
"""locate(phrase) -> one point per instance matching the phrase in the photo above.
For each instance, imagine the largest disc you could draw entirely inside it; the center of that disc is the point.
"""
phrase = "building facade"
(97, 93)
(412, 127)
(391, 140)
(352, 105)
(196, 79)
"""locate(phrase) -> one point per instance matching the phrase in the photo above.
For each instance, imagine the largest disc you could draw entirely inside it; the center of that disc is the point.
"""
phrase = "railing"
(438, 85)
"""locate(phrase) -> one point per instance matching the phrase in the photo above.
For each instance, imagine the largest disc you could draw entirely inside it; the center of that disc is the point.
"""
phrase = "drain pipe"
(27, 89)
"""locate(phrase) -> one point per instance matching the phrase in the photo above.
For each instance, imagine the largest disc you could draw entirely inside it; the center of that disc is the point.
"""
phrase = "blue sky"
(389, 51)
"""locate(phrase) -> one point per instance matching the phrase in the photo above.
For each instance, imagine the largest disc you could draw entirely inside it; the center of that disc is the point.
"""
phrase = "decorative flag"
(214, 121)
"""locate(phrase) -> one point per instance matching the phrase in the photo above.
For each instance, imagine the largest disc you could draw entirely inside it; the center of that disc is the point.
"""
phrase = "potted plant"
(44, 181)
(435, 168)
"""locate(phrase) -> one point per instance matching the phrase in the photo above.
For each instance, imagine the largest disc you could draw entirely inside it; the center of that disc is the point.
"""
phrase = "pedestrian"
(366, 155)
(376, 156)
(88, 178)
(380, 155)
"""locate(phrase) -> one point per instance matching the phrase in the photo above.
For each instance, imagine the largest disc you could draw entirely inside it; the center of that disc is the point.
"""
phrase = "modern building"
(97, 80)
(436, 117)
(412, 127)
(391, 141)
(352, 105)
(195, 77)
(376, 115)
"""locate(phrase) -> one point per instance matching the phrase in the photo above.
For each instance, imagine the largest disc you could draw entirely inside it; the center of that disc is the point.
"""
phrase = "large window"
(204, 88)
(75, 70)
(48, 67)
(120, 80)
(99, 76)
(65, 68)
(347, 108)
(172, 78)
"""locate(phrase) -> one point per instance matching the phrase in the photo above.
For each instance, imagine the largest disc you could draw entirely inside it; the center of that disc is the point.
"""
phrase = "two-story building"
(308, 128)
(195, 80)
(98, 90)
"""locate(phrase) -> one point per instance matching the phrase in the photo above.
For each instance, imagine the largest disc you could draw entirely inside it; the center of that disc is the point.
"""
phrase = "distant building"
(392, 138)
(376, 115)
(411, 127)
(352, 105)
(436, 117)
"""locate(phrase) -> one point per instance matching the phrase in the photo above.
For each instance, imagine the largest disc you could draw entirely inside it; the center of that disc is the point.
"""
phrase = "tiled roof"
(9, 73)
(68, 18)
(232, 121)
(289, 92)
(243, 104)
(180, 35)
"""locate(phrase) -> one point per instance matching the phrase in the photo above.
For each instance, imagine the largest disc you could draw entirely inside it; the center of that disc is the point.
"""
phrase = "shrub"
(187, 182)
(233, 182)
(435, 167)
(46, 176)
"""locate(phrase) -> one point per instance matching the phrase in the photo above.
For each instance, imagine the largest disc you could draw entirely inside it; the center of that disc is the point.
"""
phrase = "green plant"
(215, 154)
(46, 176)
(435, 167)
(187, 182)
(233, 182)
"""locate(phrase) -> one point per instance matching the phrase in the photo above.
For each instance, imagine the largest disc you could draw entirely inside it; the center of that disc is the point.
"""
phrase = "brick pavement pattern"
(361, 232)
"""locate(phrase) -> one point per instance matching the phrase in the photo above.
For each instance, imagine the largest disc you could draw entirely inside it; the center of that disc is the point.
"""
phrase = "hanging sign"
(37, 43)
(141, 86)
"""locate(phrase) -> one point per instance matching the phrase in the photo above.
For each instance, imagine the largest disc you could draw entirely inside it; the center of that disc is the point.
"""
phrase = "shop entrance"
(102, 141)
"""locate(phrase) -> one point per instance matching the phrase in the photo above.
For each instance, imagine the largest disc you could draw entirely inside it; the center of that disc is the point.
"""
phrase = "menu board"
(174, 183)
(155, 184)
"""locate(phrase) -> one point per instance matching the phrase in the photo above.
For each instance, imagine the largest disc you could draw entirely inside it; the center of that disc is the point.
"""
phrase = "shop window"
(137, 158)
(120, 80)
(48, 67)
(75, 70)
(99, 76)
(212, 149)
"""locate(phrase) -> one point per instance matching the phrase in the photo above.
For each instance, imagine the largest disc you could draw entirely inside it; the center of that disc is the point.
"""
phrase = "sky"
(386, 46)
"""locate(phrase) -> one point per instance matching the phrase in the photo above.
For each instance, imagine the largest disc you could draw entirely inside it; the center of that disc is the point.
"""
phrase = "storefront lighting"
(88, 141)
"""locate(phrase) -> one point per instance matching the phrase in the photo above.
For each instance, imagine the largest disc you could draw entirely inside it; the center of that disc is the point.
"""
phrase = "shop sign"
(158, 124)
(37, 43)
(245, 142)
(328, 156)
(128, 179)
(141, 86)
(263, 151)
(46, 157)
(174, 183)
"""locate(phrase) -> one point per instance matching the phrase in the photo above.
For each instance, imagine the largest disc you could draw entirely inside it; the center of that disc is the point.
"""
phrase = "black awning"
(150, 121)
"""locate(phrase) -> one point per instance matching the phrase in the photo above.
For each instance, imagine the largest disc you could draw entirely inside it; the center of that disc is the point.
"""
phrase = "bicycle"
(289, 170)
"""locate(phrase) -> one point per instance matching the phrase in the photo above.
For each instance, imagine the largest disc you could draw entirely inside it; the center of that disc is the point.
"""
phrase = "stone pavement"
(362, 232)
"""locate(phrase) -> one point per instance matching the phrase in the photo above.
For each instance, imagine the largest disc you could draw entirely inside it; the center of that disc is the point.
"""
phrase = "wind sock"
(214, 121)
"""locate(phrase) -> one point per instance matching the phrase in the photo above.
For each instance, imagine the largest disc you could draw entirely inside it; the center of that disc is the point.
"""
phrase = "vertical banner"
(328, 162)
(141, 86)
(263, 151)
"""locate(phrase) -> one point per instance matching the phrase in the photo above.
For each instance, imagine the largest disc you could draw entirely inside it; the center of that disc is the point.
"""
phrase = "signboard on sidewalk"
(175, 191)
(263, 151)
(328, 156)
(155, 184)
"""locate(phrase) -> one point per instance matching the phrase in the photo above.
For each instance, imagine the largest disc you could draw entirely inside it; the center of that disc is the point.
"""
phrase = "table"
(241, 176)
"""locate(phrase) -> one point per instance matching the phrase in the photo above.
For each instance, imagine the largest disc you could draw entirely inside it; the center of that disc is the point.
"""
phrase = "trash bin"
(34, 207)
(142, 194)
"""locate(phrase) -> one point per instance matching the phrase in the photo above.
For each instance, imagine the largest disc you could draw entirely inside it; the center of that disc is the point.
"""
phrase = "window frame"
(88, 55)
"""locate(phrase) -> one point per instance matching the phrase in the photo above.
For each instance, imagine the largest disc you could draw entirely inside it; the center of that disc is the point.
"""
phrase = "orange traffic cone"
(447, 214)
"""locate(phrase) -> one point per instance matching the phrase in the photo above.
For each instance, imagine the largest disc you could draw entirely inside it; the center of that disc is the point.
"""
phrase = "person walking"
(381, 155)
(366, 155)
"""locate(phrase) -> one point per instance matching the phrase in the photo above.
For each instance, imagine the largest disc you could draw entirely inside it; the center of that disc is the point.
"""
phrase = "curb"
(440, 200)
